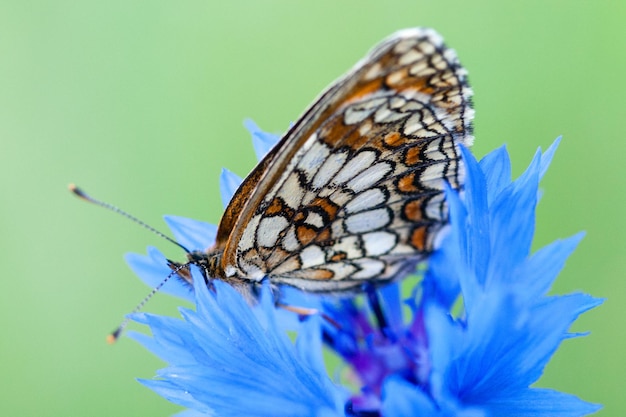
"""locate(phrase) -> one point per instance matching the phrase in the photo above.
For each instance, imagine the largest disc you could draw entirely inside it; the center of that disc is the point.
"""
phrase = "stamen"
(381, 320)
(304, 311)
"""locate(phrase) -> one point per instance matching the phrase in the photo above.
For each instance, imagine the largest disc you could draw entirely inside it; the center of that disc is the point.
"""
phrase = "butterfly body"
(353, 192)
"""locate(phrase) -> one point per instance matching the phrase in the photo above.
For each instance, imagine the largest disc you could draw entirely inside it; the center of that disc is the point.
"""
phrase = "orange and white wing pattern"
(353, 193)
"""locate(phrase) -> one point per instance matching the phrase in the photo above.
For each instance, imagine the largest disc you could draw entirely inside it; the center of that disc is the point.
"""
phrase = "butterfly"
(353, 193)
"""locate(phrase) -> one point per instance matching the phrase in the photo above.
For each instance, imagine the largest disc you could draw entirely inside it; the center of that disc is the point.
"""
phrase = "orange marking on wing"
(324, 237)
(292, 263)
(364, 89)
(402, 80)
(278, 206)
(413, 210)
(406, 184)
(394, 139)
(355, 140)
(339, 256)
(327, 206)
(418, 238)
(336, 133)
(322, 274)
(275, 207)
(412, 156)
(305, 234)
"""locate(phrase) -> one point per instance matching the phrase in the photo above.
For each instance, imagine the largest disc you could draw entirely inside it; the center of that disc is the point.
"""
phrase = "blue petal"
(537, 274)
(233, 364)
(229, 182)
(401, 399)
(505, 348)
(170, 337)
(461, 264)
(172, 392)
(392, 304)
(445, 265)
(497, 168)
(309, 343)
(511, 239)
(261, 141)
(150, 343)
(547, 326)
(153, 269)
(541, 402)
(547, 156)
(476, 202)
(193, 234)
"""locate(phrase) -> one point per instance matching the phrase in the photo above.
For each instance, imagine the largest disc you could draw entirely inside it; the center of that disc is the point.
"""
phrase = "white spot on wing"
(230, 271)
(426, 48)
(433, 152)
(314, 219)
(396, 102)
(433, 207)
(311, 256)
(367, 221)
(354, 166)
(329, 168)
(340, 197)
(341, 270)
(366, 200)
(410, 56)
(290, 242)
(291, 191)
(252, 272)
(396, 77)
(313, 158)
(404, 46)
(374, 71)
(288, 265)
(432, 176)
(349, 245)
(365, 128)
(358, 112)
(370, 268)
(421, 69)
(385, 115)
(378, 243)
(269, 229)
(247, 238)
(369, 177)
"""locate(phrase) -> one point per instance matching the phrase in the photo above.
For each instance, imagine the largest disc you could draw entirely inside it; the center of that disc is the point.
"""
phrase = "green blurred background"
(142, 103)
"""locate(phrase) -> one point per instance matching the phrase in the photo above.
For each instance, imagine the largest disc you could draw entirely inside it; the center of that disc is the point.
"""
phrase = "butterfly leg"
(305, 312)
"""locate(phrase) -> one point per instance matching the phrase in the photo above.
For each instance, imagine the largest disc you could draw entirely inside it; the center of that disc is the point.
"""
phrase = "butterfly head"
(210, 265)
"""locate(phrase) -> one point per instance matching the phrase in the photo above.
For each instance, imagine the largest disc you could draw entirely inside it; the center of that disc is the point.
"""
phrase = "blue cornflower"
(482, 361)
(472, 338)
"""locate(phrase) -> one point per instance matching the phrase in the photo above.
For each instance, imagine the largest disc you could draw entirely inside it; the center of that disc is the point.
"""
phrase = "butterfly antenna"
(82, 195)
(115, 334)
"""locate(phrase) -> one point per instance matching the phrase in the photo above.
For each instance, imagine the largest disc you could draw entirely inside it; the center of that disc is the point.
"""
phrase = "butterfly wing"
(354, 191)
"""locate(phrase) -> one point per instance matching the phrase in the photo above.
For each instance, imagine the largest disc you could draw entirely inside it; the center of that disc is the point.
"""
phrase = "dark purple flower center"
(375, 348)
